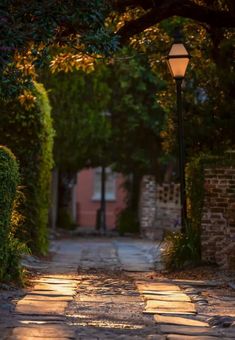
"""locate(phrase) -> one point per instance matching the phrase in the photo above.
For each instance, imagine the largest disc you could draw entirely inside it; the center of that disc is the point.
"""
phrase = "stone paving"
(106, 289)
(179, 318)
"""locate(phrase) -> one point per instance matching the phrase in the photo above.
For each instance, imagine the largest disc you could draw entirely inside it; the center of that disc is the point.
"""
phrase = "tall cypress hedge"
(28, 132)
(9, 179)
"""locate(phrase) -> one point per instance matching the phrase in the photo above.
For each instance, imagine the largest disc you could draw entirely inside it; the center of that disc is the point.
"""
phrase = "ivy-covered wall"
(195, 190)
(211, 206)
(26, 128)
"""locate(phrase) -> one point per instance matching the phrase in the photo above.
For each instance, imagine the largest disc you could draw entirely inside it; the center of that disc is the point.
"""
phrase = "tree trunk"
(66, 199)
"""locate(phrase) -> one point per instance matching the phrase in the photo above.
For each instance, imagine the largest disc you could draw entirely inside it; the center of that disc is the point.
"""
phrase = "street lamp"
(177, 60)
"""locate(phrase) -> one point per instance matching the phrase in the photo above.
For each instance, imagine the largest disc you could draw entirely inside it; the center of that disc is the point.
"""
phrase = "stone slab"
(188, 337)
(40, 307)
(50, 293)
(164, 292)
(52, 298)
(228, 332)
(55, 288)
(189, 330)
(198, 283)
(43, 331)
(56, 279)
(40, 317)
(171, 305)
(168, 312)
(19, 337)
(155, 337)
(56, 283)
(157, 286)
(176, 320)
(170, 297)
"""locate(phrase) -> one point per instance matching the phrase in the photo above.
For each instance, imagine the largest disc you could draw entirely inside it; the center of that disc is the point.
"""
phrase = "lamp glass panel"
(178, 49)
(178, 66)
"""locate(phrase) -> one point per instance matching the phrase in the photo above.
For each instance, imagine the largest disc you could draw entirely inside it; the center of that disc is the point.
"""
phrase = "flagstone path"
(176, 314)
(95, 290)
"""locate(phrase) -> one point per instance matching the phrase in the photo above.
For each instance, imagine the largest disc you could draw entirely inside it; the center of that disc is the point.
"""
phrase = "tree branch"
(139, 25)
(206, 15)
(164, 9)
(121, 5)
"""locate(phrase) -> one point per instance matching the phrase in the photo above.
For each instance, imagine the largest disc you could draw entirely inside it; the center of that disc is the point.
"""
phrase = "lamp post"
(177, 60)
(102, 201)
(105, 114)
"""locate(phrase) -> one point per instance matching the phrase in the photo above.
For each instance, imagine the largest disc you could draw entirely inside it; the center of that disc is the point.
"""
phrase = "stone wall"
(218, 217)
(159, 208)
(167, 216)
(147, 206)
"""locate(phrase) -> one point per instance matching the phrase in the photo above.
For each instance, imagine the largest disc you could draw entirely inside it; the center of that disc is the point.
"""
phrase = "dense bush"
(182, 249)
(26, 128)
(9, 247)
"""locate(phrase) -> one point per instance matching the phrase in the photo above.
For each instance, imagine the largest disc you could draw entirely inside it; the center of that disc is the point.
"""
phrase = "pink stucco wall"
(87, 207)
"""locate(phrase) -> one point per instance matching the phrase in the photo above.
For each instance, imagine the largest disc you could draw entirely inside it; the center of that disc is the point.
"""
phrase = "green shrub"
(9, 246)
(182, 249)
(127, 221)
(27, 130)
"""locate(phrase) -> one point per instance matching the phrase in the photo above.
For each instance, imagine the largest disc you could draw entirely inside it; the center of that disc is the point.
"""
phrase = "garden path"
(104, 288)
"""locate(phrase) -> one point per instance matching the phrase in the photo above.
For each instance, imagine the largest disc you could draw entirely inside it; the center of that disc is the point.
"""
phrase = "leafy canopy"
(87, 27)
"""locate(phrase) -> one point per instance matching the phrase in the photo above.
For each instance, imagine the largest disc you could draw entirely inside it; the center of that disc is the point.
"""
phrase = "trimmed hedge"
(9, 179)
(28, 132)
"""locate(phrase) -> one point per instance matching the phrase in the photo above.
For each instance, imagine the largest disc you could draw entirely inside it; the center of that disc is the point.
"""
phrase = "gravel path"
(108, 306)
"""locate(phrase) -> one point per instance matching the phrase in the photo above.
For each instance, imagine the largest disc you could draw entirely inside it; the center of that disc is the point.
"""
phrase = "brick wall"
(218, 217)
(159, 208)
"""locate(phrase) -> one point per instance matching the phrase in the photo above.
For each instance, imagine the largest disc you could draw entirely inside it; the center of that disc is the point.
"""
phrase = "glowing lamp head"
(177, 60)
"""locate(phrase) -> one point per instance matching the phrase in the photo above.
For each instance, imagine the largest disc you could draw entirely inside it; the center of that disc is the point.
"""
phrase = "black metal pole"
(181, 155)
(102, 202)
